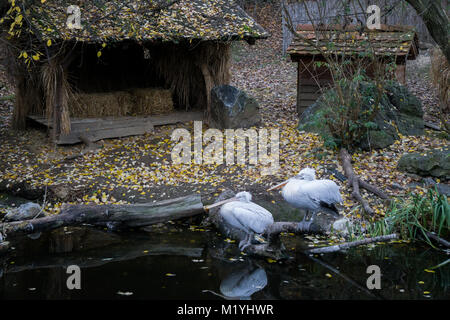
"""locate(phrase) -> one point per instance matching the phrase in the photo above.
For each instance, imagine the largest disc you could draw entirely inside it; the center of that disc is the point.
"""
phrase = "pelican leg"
(245, 242)
(305, 215)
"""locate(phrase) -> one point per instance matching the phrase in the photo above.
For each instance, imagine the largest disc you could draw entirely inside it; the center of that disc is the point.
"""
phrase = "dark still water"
(178, 262)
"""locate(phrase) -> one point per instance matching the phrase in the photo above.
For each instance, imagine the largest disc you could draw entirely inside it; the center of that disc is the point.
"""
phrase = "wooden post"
(300, 109)
(57, 103)
(400, 73)
(208, 86)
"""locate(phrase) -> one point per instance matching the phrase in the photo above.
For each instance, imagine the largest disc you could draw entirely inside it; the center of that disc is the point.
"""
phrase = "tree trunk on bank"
(111, 216)
(436, 20)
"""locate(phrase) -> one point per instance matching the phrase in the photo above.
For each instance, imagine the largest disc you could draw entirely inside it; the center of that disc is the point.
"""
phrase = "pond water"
(179, 261)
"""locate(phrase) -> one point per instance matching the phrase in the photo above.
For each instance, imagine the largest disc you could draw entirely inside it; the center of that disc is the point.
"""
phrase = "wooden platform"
(96, 129)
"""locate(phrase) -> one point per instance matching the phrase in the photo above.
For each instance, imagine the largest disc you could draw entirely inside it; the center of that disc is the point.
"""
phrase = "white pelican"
(305, 192)
(241, 213)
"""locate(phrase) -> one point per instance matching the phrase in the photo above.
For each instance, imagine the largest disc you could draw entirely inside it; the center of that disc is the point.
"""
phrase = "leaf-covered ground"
(139, 169)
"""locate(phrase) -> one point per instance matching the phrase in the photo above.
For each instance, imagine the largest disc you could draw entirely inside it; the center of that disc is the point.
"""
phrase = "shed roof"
(166, 20)
(398, 41)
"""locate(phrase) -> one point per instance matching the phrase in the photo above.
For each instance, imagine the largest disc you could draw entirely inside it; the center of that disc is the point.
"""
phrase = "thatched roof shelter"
(167, 20)
(62, 49)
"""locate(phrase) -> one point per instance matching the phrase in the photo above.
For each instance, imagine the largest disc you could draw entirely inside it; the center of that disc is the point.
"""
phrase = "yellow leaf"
(99, 54)
(49, 42)
(328, 275)
(430, 271)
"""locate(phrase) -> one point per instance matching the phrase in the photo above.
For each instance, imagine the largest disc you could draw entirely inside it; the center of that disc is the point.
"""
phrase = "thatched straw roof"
(399, 41)
(166, 20)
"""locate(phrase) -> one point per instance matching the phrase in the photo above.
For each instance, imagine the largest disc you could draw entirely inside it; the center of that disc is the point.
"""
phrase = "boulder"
(232, 108)
(25, 211)
(435, 163)
(400, 112)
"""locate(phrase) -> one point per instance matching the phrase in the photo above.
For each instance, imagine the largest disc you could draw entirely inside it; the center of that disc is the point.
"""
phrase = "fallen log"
(372, 189)
(439, 240)
(363, 184)
(347, 245)
(353, 181)
(111, 216)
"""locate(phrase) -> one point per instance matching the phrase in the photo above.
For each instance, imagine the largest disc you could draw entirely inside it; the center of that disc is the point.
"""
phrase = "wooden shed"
(350, 43)
(127, 59)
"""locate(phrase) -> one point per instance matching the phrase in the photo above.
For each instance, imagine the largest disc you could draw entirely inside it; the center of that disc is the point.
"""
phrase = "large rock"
(400, 112)
(435, 163)
(232, 108)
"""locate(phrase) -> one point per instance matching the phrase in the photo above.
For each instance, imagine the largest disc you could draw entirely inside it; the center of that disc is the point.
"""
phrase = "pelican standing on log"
(241, 213)
(305, 192)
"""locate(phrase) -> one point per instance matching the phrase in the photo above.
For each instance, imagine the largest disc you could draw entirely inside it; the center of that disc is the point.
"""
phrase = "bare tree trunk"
(353, 181)
(436, 20)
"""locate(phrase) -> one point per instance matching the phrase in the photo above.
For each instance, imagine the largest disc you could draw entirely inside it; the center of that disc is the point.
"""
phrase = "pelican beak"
(219, 203)
(278, 186)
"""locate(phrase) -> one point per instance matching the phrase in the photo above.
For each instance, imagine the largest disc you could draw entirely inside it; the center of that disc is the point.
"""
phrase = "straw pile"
(136, 102)
(152, 101)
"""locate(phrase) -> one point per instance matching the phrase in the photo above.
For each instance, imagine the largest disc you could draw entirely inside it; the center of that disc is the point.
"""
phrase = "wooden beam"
(103, 128)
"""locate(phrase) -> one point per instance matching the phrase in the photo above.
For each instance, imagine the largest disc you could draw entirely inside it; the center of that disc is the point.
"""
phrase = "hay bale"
(152, 101)
(103, 104)
(135, 102)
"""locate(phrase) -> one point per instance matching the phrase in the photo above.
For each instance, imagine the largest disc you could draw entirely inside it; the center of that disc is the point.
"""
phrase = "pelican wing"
(253, 217)
(323, 191)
